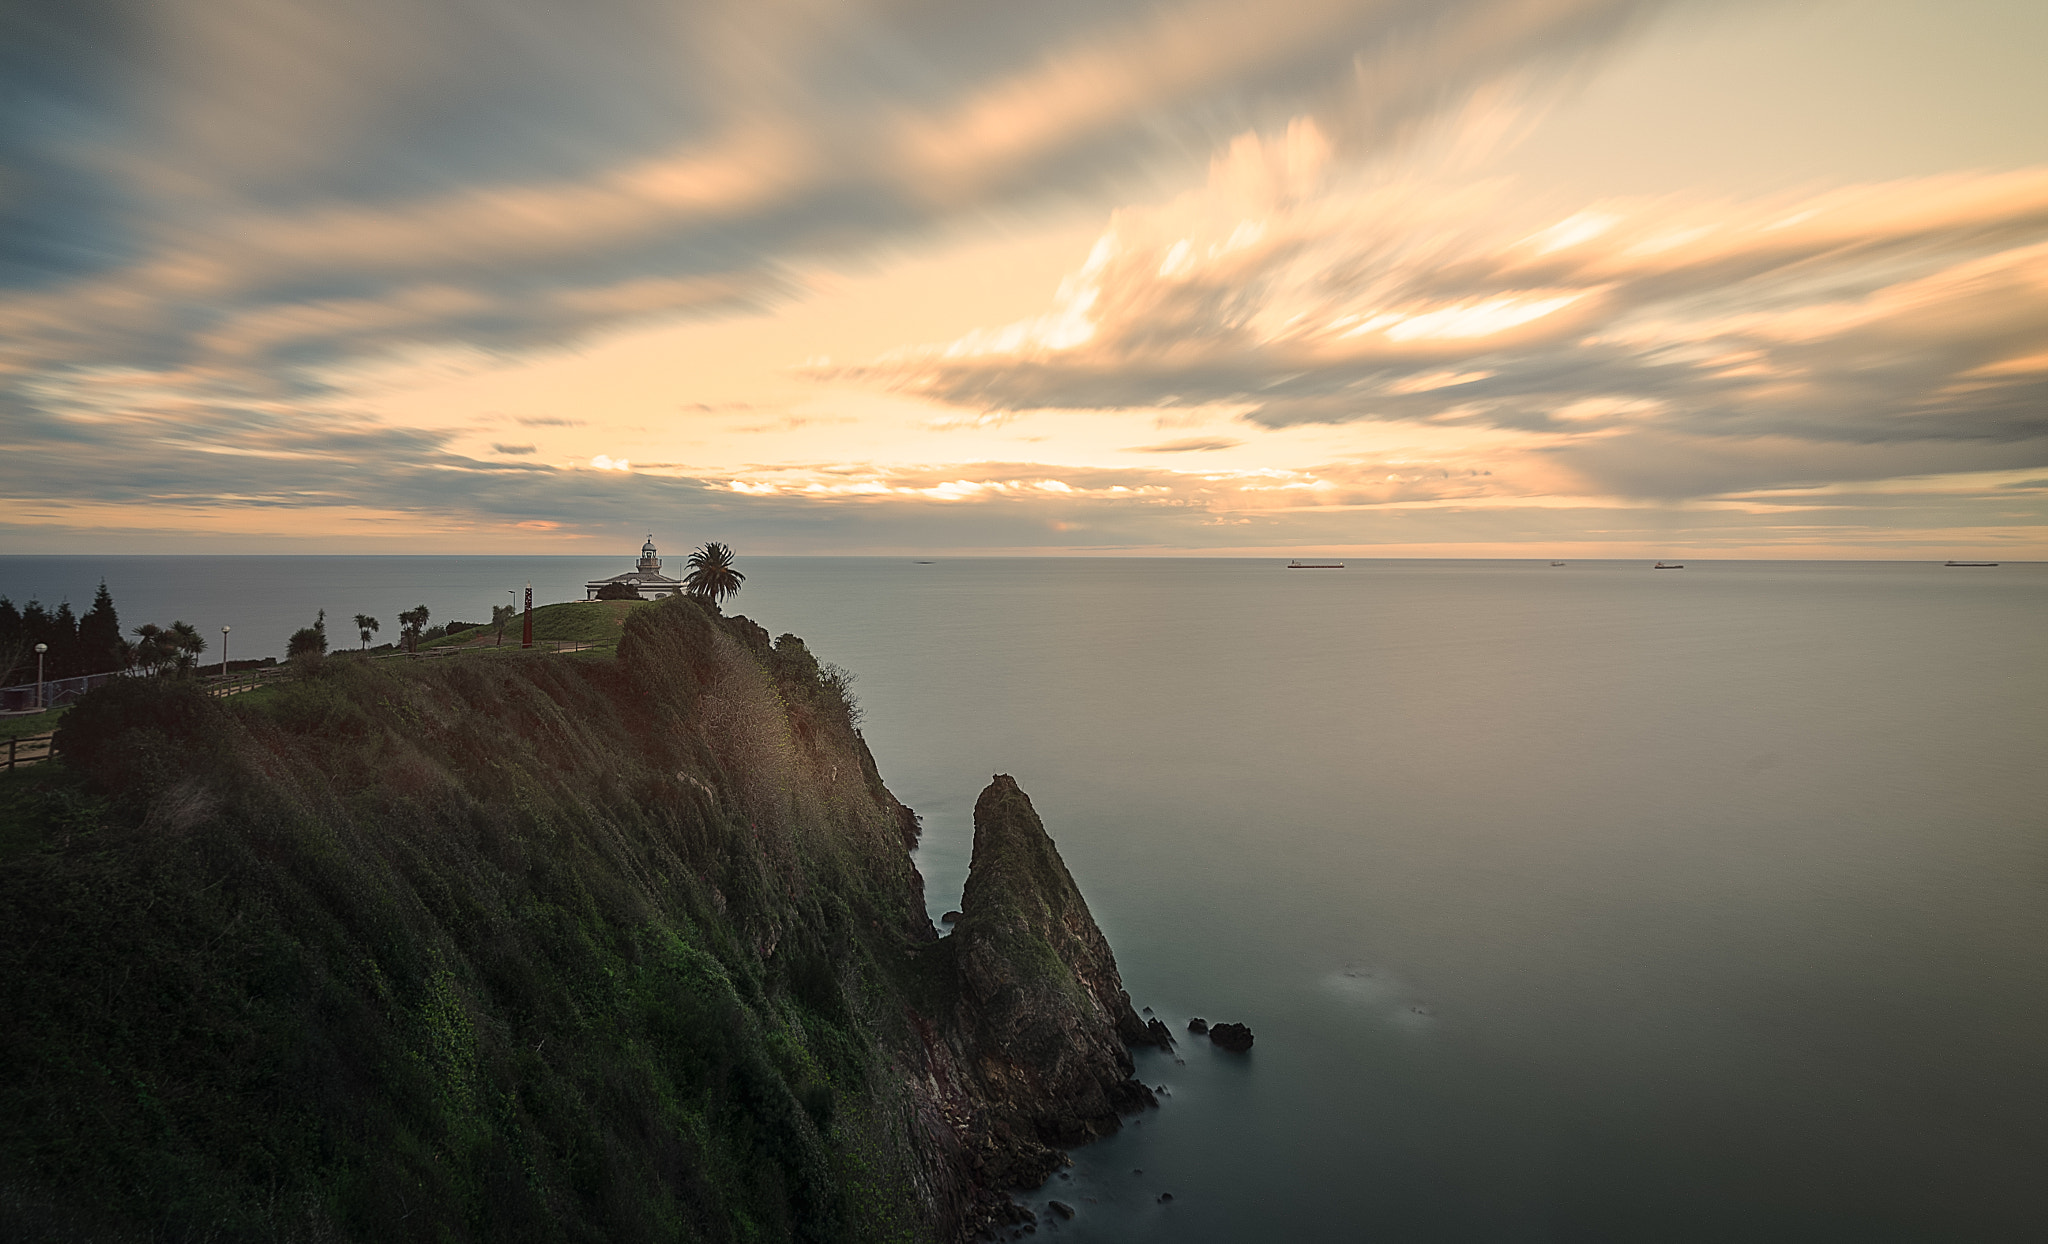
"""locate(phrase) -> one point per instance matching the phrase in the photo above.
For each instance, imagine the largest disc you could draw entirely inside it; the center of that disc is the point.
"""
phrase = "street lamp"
(40, 650)
(224, 652)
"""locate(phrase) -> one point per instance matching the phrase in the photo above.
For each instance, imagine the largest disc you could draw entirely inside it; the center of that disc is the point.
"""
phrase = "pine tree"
(14, 642)
(37, 627)
(64, 642)
(100, 647)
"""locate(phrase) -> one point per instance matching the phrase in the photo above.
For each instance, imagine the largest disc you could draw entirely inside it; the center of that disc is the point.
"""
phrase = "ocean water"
(1579, 903)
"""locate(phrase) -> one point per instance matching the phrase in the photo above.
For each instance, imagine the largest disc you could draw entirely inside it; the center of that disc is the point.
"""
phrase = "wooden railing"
(243, 680)
(30, 749)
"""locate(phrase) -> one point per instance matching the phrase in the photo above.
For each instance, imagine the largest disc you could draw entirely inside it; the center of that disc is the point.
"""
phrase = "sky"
(1496, 278)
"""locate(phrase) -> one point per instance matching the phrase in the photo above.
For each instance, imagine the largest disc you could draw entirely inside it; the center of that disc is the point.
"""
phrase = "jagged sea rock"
(1159, 1034)
(1233, 1037)
(1036, 1041)
(1198, 1026)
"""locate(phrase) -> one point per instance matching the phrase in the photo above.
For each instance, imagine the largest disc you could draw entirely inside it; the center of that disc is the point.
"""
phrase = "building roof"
(648, 578)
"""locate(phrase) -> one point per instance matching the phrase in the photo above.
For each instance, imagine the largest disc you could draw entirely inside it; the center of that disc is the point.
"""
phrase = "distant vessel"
(1668, 566)
(1969, 563)
(1300, 565)
(1557, 563)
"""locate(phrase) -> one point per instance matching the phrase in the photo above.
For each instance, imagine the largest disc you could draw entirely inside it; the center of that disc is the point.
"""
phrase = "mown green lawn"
(576, 621)
(32, 723)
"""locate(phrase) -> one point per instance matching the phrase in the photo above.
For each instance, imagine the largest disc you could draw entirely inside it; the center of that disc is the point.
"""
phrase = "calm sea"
(1579, 903)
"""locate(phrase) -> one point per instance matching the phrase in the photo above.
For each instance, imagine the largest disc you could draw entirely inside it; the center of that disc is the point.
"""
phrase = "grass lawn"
(576, 621)
(32, 723)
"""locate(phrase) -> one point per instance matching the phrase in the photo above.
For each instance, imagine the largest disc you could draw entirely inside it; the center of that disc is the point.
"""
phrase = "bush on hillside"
(135, 736)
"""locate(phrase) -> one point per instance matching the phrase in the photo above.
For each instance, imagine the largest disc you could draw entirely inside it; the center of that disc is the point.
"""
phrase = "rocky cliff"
(528, 947)
(1040, 1020)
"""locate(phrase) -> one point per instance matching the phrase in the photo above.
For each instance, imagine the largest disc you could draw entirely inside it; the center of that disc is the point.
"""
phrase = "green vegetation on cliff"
(470, 950)
(577, 621)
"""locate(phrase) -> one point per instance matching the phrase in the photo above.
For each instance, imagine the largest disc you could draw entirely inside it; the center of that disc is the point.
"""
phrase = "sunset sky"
(1516, 278)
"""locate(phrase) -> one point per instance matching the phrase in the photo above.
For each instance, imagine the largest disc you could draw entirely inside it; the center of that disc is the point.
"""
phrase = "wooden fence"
(30, 749)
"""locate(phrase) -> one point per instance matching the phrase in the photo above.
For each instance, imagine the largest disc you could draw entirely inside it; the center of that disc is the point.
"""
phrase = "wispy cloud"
(213, 215)
(1192, 445)
(251, 184)
(1664, 348)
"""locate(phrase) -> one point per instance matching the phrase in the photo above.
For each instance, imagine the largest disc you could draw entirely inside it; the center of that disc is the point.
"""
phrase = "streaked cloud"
(280, 181)
(1189, 445)
(249, 247)
(1665, 348)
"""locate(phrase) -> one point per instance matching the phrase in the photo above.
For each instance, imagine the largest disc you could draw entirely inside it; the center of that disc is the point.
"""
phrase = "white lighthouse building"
(644, 578)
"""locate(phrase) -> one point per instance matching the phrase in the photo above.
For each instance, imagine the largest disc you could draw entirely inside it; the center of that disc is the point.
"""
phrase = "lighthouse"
(644, 580)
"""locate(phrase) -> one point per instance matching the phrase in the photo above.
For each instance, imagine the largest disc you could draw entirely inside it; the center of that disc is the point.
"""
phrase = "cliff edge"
(528, 947)
(1041, 1020)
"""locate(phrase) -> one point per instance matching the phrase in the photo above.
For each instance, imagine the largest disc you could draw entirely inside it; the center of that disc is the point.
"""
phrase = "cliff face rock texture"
(528, 947)
(1035, 1043)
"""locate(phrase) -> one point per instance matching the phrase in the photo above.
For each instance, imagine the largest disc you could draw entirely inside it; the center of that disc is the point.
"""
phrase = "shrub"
(134, 736)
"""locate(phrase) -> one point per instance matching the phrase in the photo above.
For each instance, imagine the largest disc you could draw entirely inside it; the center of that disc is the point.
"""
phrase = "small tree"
(712, 578)
(309, 643)
(172, 649)
(500, 615)
(365, 626)
(618, 591)
(413, 621)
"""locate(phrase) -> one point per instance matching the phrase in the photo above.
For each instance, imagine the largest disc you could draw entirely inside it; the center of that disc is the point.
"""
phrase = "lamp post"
(224, 651)
(40, 650)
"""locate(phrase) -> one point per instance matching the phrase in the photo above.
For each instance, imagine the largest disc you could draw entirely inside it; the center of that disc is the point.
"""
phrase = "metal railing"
(59, 692)
(52, 692)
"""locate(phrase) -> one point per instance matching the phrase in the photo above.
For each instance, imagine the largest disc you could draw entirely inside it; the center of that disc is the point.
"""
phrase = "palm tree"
(188, 643)
(364, 625)
(175, 647)
(150, 653)
(712, 578)
(414, 621)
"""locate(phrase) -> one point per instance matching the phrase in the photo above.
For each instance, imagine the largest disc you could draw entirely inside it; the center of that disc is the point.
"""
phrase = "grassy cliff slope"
(574, 621)
(478, 950)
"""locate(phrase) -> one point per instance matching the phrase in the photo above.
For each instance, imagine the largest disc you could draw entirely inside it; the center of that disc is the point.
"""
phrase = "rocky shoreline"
(533, 948)
(1027, 1052)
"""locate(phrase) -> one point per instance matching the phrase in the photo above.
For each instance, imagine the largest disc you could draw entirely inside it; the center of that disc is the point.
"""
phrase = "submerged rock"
(1233, 1037)
(1061, 1208)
